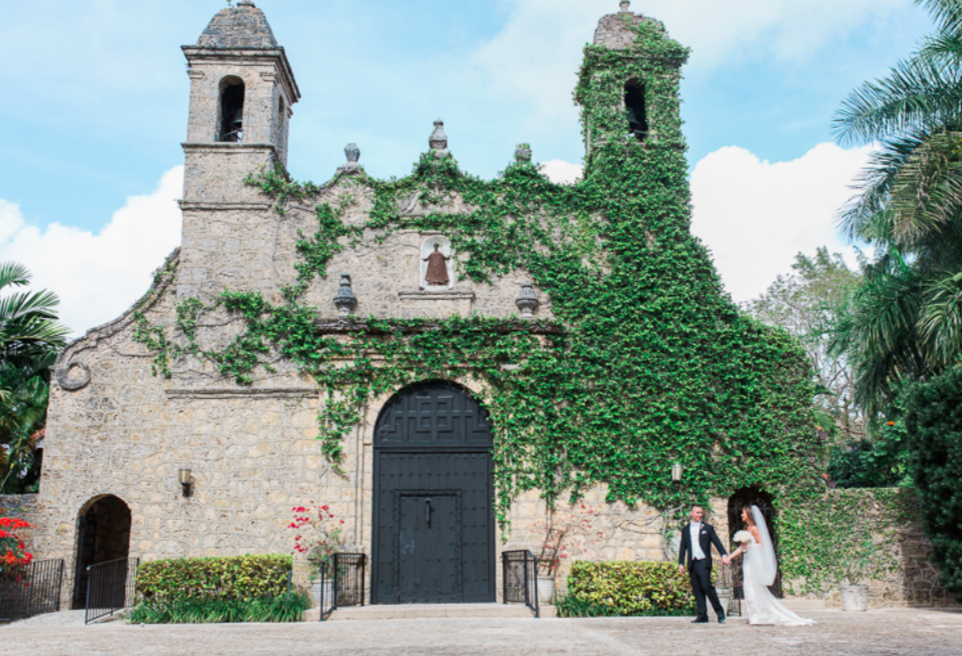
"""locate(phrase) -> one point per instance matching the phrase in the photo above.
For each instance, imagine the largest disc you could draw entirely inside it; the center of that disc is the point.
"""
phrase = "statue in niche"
(437, 274)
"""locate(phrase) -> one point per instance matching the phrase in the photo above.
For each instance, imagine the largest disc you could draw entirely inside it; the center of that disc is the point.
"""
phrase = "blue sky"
(94, 108)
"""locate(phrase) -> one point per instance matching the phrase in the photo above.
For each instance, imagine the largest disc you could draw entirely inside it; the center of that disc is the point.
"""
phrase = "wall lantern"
(183, 475)
(676, 472)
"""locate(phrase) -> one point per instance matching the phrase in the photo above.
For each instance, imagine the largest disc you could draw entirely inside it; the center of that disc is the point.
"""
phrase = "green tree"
(809, 303)
(933, 417)
(30, 339)
(905, 322)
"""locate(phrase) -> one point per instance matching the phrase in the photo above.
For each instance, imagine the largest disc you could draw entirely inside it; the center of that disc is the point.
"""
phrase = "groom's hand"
(681, 569)
(726, 560)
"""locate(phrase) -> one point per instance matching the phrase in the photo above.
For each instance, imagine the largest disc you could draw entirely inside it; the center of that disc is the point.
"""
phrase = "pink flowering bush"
(318, 534)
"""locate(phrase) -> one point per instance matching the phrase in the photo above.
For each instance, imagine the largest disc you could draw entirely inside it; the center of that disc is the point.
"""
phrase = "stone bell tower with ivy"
(242, 91)
(629, 94)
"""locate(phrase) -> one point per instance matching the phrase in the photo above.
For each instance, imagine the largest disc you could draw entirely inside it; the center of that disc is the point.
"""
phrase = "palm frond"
(920, 94)
(947, 14)
(14, 274)
(940, 320)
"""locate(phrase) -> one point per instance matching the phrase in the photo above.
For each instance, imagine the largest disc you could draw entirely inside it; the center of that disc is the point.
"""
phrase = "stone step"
(430, 611)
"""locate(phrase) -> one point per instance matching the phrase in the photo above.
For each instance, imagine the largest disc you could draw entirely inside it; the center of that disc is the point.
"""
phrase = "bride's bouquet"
(742, 537)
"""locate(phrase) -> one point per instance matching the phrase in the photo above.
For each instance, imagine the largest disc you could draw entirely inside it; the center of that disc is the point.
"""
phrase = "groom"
(696, 540)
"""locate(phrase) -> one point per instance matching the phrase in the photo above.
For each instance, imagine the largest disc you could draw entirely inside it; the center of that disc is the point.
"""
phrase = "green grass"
(284, 608)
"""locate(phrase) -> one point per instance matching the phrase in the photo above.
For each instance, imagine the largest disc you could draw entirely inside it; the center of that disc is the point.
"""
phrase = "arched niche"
(429, 246)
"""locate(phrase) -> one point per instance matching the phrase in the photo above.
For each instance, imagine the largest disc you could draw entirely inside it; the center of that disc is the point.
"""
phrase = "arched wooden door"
(433, 538)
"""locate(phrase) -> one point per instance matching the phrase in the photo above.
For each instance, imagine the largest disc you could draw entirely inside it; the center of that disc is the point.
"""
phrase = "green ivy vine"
(647, 362)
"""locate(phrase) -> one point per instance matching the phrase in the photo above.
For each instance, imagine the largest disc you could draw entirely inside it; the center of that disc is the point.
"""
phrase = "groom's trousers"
(700, 573)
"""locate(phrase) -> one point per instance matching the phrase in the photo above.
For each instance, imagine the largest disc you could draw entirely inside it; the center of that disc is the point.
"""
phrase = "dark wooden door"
(428, 552)
(433, 499)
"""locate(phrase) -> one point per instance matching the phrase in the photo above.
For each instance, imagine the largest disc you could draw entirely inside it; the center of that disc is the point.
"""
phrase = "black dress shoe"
(699, 620)
(721, 619)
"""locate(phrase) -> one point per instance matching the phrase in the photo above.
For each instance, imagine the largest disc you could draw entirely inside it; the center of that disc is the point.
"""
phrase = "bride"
(758, 572)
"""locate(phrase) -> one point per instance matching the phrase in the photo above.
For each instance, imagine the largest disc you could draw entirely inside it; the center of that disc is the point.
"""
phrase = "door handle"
(427, 512)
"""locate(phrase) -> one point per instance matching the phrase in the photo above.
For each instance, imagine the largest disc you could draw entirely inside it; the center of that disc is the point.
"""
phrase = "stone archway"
(103, 535)
(753, 496)
(433, 520)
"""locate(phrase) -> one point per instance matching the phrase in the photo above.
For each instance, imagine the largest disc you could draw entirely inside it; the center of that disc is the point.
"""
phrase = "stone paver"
(893, 632)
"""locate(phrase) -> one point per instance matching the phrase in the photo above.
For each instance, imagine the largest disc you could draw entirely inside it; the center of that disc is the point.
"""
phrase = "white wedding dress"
(762, 606)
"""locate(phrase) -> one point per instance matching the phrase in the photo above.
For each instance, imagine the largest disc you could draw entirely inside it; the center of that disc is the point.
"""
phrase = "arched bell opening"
(103, 535)
(231, 110)
(636, 109)
(746, 498)
(433, 519)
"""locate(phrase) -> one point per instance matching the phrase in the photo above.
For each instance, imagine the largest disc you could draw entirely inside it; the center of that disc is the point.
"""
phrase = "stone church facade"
(119, 434)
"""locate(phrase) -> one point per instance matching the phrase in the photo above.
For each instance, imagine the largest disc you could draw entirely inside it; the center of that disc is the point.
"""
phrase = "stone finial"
(353, 154)
(439, 140)
(527, 301)
(246, 3)
(625, 4)
(522, 153)
(344, 300)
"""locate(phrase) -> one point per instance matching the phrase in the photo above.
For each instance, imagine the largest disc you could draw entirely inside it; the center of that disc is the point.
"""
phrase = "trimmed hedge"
(285, 608)
(240, 578)
(626, 588)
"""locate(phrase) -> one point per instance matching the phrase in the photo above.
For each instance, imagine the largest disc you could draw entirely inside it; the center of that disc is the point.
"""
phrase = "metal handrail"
(519, 579)
(110, 587)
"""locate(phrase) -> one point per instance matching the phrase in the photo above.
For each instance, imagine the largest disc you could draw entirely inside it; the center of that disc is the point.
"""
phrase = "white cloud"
(98, 277)
(562, 172)
(537, 55)
(756, 216)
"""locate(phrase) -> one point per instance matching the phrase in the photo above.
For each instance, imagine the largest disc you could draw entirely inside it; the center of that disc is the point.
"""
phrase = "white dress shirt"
(696, 552)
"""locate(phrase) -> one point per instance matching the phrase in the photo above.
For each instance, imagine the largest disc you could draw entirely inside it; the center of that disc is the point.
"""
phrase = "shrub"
(284, 608)
(933, 418)
(241, 578)
(626, 588)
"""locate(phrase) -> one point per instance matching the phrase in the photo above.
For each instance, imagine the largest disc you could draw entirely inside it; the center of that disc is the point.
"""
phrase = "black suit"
(699, 571)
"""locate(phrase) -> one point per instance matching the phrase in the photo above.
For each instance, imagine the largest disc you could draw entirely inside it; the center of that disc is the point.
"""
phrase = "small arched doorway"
(433, 537)
(103, 535)
(746, 497)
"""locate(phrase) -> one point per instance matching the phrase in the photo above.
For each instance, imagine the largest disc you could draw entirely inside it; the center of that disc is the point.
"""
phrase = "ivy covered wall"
(646, 361)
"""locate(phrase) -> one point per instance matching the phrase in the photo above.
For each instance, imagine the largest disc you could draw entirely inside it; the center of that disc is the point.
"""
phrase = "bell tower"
(629, 89)
(241, 93)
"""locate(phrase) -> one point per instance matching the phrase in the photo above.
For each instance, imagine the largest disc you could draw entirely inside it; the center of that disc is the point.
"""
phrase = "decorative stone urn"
(353, 154)
(725, 599)
(522, 153)
(344, 300)
(527, 301)
(545, 590)
(328, 589)
(854, 597)
(439, 140)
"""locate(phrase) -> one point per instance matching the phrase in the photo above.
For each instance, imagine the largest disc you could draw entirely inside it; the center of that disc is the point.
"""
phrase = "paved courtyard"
(877, 633)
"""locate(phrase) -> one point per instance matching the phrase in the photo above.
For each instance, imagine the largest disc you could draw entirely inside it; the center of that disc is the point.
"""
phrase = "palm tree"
(906, 318)
(28, 321)
(30, 339)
